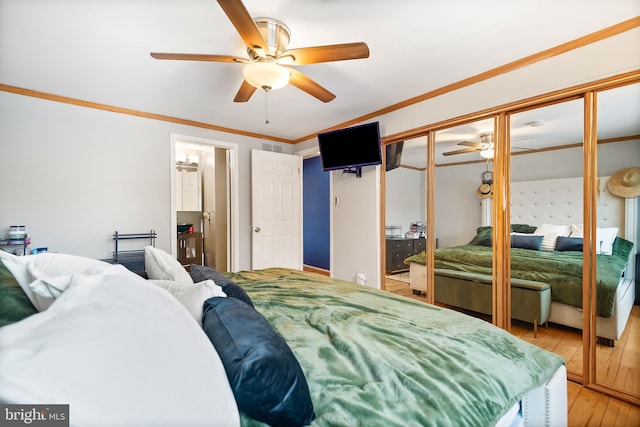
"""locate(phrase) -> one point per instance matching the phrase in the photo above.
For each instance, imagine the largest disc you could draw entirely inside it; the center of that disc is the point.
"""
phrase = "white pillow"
(192, 296)
(46, 275)
(121, 352)
(551, 233)
(160, 265)
(605, 236)
(577, 230)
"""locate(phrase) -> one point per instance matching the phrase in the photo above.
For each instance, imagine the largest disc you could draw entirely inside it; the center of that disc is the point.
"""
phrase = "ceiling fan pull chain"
(266, 107)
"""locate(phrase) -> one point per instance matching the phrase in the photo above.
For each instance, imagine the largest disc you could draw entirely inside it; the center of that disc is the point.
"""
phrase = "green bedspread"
(372, 358)
(561, 270)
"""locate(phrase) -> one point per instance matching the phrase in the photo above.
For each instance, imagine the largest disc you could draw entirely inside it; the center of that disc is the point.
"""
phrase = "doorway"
(204, 202)
(276, 210)
(316, 214)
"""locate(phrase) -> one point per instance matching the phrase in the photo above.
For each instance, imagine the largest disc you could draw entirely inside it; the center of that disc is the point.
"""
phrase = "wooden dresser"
(398, 250)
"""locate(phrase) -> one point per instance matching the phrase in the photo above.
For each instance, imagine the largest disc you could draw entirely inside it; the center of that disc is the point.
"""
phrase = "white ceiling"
(98, 51)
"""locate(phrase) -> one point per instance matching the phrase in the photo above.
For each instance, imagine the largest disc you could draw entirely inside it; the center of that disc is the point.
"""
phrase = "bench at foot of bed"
(530, 300)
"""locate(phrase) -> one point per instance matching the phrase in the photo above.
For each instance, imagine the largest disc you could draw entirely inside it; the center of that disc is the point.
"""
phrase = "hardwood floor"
(586, 407)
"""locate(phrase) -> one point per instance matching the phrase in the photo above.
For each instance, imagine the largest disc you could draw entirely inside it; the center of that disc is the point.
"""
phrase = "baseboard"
(316, 270)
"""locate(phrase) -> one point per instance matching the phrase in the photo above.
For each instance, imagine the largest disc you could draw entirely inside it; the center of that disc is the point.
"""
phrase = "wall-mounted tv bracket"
(356, 170)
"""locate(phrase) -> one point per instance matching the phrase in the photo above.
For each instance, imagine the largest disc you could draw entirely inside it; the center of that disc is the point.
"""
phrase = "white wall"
(74, 175)
(356, 215)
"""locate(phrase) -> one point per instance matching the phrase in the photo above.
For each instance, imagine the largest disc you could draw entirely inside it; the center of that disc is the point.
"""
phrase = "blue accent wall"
(316, 211)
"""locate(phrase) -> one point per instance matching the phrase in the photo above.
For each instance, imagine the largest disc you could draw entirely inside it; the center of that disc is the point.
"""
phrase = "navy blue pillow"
(569, 243)
(231, 288)
(520, 241)
(265, 376)
(526, 242)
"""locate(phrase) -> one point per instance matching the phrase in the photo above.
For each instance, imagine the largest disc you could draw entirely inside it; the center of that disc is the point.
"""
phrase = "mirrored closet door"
(617, 344)
(405, 215)
(546, 204)
(462, 217)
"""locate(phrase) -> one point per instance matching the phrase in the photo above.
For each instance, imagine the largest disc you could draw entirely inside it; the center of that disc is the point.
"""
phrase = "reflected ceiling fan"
(485, 146)
(266, 67)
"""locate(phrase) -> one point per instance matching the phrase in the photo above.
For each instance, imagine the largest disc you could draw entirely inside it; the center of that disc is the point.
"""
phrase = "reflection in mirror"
(545, 201)
(460, 173)
(405, 210)
(617, 229)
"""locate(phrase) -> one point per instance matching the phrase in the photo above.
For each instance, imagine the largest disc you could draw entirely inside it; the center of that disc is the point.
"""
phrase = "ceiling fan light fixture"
(487, 138)
(487, 154)
(266, 75)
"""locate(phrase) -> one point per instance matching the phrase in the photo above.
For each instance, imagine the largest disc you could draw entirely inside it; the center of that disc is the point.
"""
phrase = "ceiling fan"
(485, 146)
(266, 67)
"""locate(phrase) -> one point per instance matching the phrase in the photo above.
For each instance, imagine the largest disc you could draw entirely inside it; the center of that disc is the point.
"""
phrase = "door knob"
(257, 229)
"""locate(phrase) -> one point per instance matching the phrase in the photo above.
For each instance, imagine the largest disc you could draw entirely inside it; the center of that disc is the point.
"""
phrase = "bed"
(279, 346)
(560, 265)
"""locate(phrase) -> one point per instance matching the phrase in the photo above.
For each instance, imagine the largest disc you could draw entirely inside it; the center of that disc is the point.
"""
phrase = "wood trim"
(413, 168)
(501, 292)
(503, 125)
(589, 250)
(430, 216)
(316, 270)
(130, 112)
(540, 150)
(617, 394)
(383, 220)
(537, 101)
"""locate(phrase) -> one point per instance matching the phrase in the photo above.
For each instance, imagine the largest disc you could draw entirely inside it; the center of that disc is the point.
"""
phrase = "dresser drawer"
(399, 245)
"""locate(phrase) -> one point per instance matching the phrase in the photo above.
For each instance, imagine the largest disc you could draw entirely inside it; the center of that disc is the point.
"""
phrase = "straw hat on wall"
(485, 191)
(625, 183)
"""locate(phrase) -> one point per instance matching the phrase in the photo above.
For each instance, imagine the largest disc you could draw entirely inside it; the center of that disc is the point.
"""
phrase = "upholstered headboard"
(559, 201)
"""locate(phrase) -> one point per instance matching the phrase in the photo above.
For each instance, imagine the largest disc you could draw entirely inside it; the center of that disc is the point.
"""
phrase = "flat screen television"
(394, 155)
(350, 148)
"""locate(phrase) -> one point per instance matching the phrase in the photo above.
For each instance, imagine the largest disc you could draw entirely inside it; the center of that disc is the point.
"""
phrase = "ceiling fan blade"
(304, 83)
(199, 57)
(244, 24)
(464, 150)
(470, 143)
(245, 92)
(328, 53)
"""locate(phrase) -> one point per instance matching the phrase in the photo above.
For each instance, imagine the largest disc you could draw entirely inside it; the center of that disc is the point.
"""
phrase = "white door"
(276, 210)
(191, 190)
